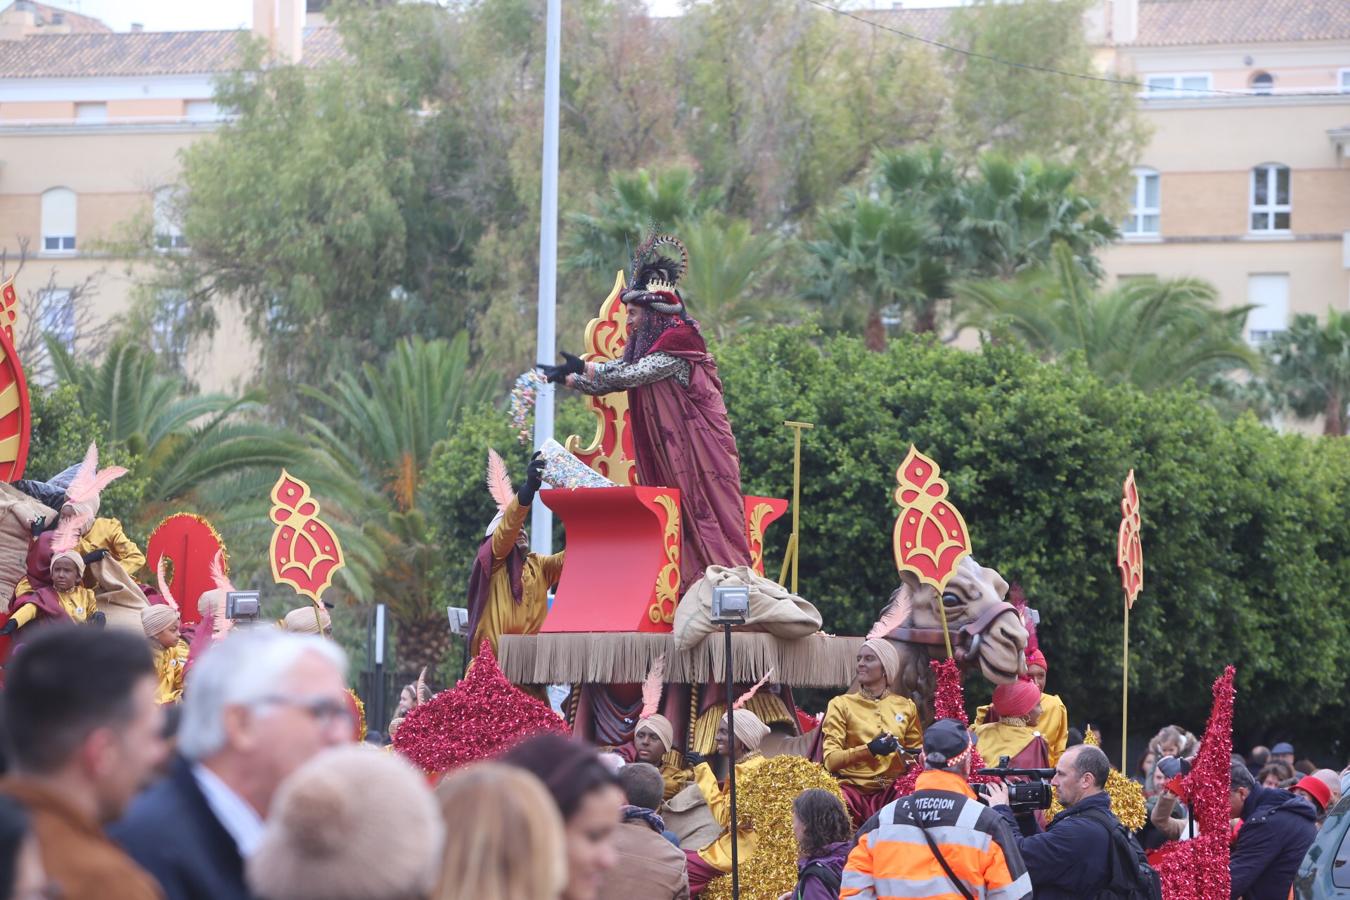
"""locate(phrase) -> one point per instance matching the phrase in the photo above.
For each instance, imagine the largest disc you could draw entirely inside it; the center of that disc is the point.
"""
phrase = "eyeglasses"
(324, 710)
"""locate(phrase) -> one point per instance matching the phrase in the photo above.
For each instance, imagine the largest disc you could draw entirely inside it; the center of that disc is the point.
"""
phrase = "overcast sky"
(188, 15)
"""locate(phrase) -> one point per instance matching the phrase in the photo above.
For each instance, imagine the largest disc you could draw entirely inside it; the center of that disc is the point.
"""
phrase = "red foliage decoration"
(949, 702)
(1198, 869)
(481, 717)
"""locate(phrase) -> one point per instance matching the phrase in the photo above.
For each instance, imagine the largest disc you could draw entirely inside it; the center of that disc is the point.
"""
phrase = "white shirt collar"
(233, 812)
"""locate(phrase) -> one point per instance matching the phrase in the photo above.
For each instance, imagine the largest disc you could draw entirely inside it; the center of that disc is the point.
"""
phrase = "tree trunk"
(1335, 415)
(925, 319)
(874, 335)
(423, 642)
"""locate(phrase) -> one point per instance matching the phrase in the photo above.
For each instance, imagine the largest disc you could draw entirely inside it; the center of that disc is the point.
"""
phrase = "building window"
(1192, 85)
(1271, 208)
(1145, 204)
(56, 315)
(1263, 83)
(168, 233)
(1345, 81)
(58, 221)
(91, 112)
(201, 110)
(1269, 297)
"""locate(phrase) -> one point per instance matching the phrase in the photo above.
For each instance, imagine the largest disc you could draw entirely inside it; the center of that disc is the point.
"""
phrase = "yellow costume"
(103, 534)
(502, 614)
(1053, 725)
(851, 720)
(676, 779)
(79, 603)
(718, 853)
(170, 665)
(995, 739)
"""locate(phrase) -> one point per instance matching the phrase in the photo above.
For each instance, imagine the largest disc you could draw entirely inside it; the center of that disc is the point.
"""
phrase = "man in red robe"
(681, 434)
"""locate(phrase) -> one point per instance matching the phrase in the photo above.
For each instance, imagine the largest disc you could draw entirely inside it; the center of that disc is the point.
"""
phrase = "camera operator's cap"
(945, 742)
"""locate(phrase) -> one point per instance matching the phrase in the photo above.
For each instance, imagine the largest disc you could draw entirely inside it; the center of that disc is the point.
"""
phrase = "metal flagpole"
(541, 517)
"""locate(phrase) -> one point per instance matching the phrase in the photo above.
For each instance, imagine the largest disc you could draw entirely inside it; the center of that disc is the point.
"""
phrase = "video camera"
(1023, 796)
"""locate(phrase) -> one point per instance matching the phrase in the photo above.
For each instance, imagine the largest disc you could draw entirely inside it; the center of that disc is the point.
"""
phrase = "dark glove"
(534, 479)
(10, 627)
(883, 745)
(694, 759)
(572, 365)
(94, 556)
(37, 526)
(98, 620)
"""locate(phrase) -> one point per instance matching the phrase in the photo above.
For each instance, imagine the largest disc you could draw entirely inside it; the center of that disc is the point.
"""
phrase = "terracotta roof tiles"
(1192, 22)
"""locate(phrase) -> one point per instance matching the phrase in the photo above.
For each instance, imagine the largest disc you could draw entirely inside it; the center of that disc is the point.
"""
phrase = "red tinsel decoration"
(482, 716)
(949, 702)
(1198, 869)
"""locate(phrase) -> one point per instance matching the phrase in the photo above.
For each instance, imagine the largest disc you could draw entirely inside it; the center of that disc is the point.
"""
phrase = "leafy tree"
(730, 283)
(1310, 369)
(1148, 332)
(387, 423)
(1241, 524)
(1092, 125)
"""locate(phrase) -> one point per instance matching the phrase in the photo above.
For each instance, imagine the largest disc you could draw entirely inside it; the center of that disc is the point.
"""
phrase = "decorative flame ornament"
(305, 552)
(9, 308)
(930, 535)
(1129, 550)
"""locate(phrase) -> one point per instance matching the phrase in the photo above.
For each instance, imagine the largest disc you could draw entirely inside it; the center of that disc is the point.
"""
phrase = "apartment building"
(91, 125)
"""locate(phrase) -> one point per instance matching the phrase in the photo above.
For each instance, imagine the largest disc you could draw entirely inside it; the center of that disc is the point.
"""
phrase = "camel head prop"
(986, 630)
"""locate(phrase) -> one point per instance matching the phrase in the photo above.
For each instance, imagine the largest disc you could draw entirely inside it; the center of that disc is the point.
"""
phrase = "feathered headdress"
(498, 480)
(651, 687)
(745, 698)
(164, 583)
(895, 615)
(83, 495)
(1030, 618)
(217, 571)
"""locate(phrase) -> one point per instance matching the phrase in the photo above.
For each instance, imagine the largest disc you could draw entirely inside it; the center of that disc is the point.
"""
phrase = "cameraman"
(1072, 858)
(939, 840)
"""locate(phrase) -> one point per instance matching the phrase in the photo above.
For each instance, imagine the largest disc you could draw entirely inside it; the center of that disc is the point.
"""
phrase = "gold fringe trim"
(820, 660)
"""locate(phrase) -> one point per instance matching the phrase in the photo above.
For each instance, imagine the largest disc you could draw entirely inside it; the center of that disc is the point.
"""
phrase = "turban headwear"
(1037, 658)
(70, 556)
(307, 620)
(155, 619)
(750, 731)
(660, 726)
(1016, 700)
(889, 656)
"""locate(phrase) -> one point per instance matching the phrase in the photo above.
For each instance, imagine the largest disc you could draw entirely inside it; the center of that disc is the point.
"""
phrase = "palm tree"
(1310, 369)
(1149, 332)
(384, 426)
(729, 281)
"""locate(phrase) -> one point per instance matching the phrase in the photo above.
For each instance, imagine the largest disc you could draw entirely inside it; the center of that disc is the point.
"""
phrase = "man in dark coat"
(257, 706)
(1277, 830)
(1071, 858)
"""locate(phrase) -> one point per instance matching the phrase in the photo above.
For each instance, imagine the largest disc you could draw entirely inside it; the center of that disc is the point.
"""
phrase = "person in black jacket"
(256, 707)
(1277, 829)
(1071, 858)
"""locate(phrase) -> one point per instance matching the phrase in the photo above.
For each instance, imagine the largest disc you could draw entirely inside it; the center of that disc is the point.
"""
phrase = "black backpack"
(822, 873)
(1132, 878)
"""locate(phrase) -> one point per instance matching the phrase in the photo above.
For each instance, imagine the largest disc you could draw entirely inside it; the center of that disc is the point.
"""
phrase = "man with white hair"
(260, 704)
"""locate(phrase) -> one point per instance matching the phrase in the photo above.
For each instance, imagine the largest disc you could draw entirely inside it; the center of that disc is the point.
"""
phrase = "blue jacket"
(1071, 859)
(171, 831)
(1277, 829)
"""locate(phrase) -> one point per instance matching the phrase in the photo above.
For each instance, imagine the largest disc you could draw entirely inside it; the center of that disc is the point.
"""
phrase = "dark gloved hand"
(37, 526)
(883, 745)
(534, 479)
(572, 365)
(94, 556)
(10, 627)
(98, 620)
(693, 758)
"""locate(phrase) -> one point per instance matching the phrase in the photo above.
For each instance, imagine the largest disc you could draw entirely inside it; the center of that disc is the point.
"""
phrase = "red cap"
(1016, 699)
(1321, 794)
(1037, 658)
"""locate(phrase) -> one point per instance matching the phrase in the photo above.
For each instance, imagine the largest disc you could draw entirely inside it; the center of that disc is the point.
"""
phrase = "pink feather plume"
(67, 534)
(217, 570)
(89, 482)
(745, 698)
(891, 619)
(498, 480)
(651, 687)
(164, 583)
(1019, 601)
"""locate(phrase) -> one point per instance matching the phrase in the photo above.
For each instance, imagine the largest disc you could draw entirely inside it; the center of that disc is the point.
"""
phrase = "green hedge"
(1244, 529)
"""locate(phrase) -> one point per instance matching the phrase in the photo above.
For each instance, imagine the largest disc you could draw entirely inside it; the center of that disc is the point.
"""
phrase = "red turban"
(1016, 700)
(1037, 658)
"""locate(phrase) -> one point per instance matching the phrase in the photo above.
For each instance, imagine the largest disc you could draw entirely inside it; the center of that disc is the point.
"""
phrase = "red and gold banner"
(9, 308)
(1129, 549)
(305, 552)
(930, 536)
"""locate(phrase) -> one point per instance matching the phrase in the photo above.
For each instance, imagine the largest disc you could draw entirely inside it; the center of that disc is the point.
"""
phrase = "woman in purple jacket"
(824, 837)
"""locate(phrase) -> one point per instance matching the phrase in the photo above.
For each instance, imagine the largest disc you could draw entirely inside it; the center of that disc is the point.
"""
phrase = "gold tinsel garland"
(765, 799)
(1127, 797)
(360, 724)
